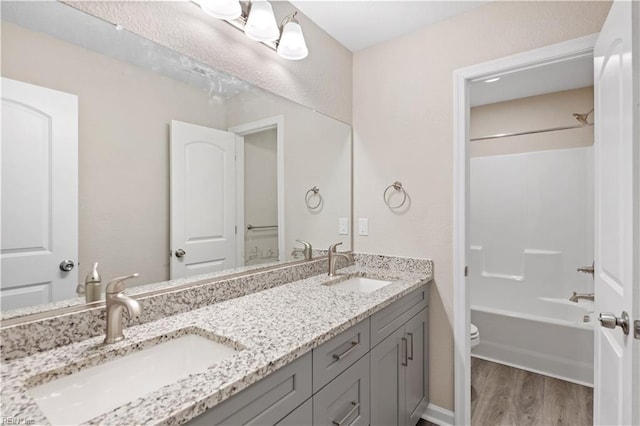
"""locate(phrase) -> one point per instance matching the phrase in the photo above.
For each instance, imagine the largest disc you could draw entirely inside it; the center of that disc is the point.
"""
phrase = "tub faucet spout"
(585, 296)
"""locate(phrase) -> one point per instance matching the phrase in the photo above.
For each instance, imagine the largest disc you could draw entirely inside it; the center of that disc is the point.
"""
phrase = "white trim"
(254, 127)
(461, 78)
(438, 415)
(240, 229)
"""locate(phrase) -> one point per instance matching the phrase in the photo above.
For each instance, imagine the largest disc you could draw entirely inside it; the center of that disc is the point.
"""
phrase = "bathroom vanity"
(306, 351)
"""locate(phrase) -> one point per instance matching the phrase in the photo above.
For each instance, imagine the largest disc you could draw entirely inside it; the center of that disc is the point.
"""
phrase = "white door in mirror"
(39, 195)
(617, 371)
(203, 200)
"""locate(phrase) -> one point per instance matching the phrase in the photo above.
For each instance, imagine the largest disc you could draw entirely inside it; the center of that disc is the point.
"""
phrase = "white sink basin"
(361, 284)
(96, 390)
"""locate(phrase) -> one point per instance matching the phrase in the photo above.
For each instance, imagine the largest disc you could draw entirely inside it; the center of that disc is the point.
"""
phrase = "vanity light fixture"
(258, 22)
(222, 9)
(261, 24)
(292, 45)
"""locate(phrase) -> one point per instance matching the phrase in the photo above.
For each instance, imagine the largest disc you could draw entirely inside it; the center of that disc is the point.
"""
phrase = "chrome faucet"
(116, 302)
(333, 257)
(586, 296)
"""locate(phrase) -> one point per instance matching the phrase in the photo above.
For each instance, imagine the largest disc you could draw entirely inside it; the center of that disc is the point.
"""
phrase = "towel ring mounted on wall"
(310, 195)
(397, 185)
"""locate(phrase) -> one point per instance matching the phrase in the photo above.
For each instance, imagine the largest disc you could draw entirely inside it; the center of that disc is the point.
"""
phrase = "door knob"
(609, 320)
(180, 253)
(67, 265)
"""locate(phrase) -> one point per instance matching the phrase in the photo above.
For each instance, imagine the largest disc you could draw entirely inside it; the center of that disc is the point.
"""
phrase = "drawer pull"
(411, 356)
(347, 352)
(404, 344)
(356, 405)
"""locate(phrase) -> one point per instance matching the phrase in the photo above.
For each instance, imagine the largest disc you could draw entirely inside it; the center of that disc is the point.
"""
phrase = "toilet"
(475, 336)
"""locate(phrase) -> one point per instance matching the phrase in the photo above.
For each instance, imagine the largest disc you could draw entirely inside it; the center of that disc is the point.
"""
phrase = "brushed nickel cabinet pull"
(356, 405)
(404, 343)
(411, 356)
(347, 352)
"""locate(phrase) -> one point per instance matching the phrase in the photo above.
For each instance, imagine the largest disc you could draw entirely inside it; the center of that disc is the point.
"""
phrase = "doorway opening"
(260, 185)
(501, 165)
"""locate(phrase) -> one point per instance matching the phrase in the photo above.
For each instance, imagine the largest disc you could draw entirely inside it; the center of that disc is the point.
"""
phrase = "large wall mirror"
(119, 151)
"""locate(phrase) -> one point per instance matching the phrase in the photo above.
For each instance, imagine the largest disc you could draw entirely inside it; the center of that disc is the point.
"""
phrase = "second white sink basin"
(361, 284)
(81, 396)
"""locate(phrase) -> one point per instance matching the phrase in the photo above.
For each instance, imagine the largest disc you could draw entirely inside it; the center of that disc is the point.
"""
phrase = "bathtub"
(549, 337)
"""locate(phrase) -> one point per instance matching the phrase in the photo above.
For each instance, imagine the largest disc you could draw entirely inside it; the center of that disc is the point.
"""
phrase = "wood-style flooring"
(510, 396)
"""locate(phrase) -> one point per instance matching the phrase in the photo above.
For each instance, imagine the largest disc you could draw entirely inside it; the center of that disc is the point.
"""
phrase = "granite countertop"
(271, 327)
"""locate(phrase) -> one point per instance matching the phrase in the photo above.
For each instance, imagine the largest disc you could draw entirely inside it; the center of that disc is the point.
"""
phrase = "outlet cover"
(363, 226)
(343, 226)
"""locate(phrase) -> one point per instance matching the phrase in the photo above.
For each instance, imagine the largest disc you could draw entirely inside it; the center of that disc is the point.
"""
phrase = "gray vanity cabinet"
(399, 374)
(374, 373)
(267, 402)
(345, 400)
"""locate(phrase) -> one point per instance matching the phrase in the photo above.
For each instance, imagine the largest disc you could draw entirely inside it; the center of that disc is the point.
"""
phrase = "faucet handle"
(332, 247)
(116, 285)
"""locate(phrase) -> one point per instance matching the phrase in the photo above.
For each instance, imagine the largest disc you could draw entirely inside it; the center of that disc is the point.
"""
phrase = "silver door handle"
(180, 253)
(609, 320)
(67, 265)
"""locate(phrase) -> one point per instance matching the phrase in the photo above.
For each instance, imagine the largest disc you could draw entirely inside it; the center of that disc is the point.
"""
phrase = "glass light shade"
(222, 9)
(292, 44)
(261, 24)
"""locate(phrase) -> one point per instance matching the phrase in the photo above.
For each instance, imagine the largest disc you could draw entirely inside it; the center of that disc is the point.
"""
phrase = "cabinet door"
(388, 381)
(345, 400)
(416, 370)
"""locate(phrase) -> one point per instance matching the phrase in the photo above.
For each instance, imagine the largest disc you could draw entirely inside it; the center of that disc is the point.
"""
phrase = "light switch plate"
(363, 226)
(343, 226)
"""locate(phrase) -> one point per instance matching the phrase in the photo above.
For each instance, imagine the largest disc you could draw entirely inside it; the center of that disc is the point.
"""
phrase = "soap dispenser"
(93, 285)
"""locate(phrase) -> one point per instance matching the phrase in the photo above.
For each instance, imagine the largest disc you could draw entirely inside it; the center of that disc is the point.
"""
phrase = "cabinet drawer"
(265, 402)
(389, 319)
(345, 400)
(333, 357)
(301, 416)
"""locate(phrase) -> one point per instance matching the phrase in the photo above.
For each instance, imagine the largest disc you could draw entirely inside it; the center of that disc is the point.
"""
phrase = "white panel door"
(617, 354)
(39, 151)
(203, 199)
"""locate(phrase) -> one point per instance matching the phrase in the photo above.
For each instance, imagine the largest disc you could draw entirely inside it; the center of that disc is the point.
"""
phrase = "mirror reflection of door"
(39, 195)
(203, 200)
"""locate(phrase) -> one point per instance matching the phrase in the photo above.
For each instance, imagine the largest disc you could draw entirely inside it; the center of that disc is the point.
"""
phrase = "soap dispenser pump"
(93, 285)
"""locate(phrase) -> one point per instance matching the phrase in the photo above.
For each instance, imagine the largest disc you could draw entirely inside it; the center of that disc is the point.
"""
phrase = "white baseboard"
(439, 415)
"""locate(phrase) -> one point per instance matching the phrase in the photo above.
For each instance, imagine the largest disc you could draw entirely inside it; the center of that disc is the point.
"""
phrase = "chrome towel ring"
(310, 195)
(397, 185)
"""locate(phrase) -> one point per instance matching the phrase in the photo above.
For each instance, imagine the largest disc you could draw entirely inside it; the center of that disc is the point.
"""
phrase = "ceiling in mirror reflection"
(129, 90)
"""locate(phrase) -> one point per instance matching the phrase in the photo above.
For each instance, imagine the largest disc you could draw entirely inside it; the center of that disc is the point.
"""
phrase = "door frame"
(462, 78)
(242, 130)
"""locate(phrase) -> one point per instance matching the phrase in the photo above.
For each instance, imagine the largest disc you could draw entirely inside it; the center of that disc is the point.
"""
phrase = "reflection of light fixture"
(492, 80)
(259, 23)
(291, 44)
(222, 9)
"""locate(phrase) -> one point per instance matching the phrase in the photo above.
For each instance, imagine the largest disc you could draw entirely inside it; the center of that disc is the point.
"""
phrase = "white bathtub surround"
(274, 327)
(531, 227)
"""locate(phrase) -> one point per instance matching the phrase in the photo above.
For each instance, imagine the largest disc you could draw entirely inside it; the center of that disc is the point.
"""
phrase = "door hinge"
(466, 271)
(236, 229)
